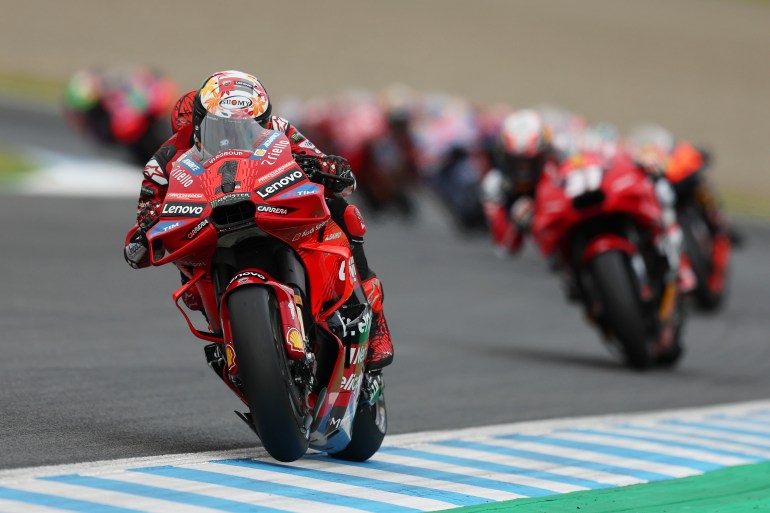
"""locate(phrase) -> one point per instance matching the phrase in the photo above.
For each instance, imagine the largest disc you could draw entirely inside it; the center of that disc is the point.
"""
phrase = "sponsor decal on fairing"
(164, 227)
(183, 177)
(279, 184)
(265, 145)
(275, 172)
(172, 209)
(270, 209)
(271, 157)
(227, 153)
(195, 231)
(192, 166)
(247, 274)
(294, 339)
(309, 231)
(184, 195)
(231, 198)
(303, 190)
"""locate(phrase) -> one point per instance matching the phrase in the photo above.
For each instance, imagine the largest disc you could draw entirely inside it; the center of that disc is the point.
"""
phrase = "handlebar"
(312, 168)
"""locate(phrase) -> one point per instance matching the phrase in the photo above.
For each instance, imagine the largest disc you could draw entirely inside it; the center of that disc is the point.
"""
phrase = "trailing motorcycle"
(288, 322)
(707, 238)
(600, 221)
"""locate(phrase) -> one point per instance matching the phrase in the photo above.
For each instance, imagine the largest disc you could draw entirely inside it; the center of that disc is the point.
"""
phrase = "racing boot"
(380, 353)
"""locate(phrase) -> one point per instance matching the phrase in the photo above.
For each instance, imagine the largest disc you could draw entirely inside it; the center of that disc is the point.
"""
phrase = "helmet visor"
(219, 134)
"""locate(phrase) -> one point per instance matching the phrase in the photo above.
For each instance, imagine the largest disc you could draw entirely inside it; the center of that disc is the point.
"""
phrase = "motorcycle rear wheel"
(368, 433)
(265, 374)
(623, 312)
(700, 260)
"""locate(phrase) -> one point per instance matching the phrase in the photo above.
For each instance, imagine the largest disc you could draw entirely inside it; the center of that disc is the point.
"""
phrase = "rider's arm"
(329, 164)
(300, 145)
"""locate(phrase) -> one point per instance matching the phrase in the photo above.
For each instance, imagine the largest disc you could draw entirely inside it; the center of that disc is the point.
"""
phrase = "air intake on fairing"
(234, 216)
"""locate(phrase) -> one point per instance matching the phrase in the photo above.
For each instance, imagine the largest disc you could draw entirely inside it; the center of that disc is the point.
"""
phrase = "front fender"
(602, 244)
(292, 329)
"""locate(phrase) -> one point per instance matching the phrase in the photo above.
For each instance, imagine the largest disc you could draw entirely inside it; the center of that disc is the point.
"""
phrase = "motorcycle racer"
(124, 108)
(524, 151)
(237, 97)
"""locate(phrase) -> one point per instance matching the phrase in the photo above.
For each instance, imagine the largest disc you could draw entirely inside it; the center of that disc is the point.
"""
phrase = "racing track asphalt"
(96, 363)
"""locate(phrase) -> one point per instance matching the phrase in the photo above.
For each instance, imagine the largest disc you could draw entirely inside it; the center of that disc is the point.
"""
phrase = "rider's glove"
(345, 183)
(137, 251)
(522, 211)
(148, 215)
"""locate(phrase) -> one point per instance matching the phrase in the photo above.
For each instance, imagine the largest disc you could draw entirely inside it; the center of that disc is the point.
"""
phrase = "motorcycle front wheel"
(622, 310)
(274, 400)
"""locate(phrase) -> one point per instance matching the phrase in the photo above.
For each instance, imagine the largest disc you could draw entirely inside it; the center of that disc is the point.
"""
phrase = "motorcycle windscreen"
(218, 134)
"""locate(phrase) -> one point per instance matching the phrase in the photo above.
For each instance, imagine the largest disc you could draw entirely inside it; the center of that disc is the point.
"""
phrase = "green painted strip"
(730, 490)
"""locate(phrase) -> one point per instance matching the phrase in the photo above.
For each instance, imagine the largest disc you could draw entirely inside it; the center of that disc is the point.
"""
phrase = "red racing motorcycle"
(599, 221)
(288, 321)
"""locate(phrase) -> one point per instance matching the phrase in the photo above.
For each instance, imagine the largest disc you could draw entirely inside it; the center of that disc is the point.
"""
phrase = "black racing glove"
(148, 215)
(137, 251)
(337, 175)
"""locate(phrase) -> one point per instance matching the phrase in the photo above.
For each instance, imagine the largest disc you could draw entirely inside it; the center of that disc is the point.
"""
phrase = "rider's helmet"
(228, 110)
(524, 145)
(650, 146)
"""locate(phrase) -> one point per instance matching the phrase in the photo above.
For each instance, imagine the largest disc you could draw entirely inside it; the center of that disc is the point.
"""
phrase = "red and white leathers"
(155, 185)
(509, 205)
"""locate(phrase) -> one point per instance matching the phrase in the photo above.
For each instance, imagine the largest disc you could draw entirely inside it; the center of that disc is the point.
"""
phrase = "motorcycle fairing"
(279, 203)
(627, 191)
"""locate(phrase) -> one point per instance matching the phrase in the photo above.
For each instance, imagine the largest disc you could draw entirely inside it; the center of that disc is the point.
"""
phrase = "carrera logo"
(235, 102)
(281, 211)
(195, 231)
(182, 209)
(276, 186)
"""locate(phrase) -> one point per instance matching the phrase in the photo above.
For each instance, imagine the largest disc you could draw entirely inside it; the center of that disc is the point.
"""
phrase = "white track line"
(653, 447)
(537, 465)
(397, 499)
(711, 433)
(595, 457)
(666, 436)
(404, 479)
(511, 478)
(231, 494)
(111, 498)
(7, 506)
